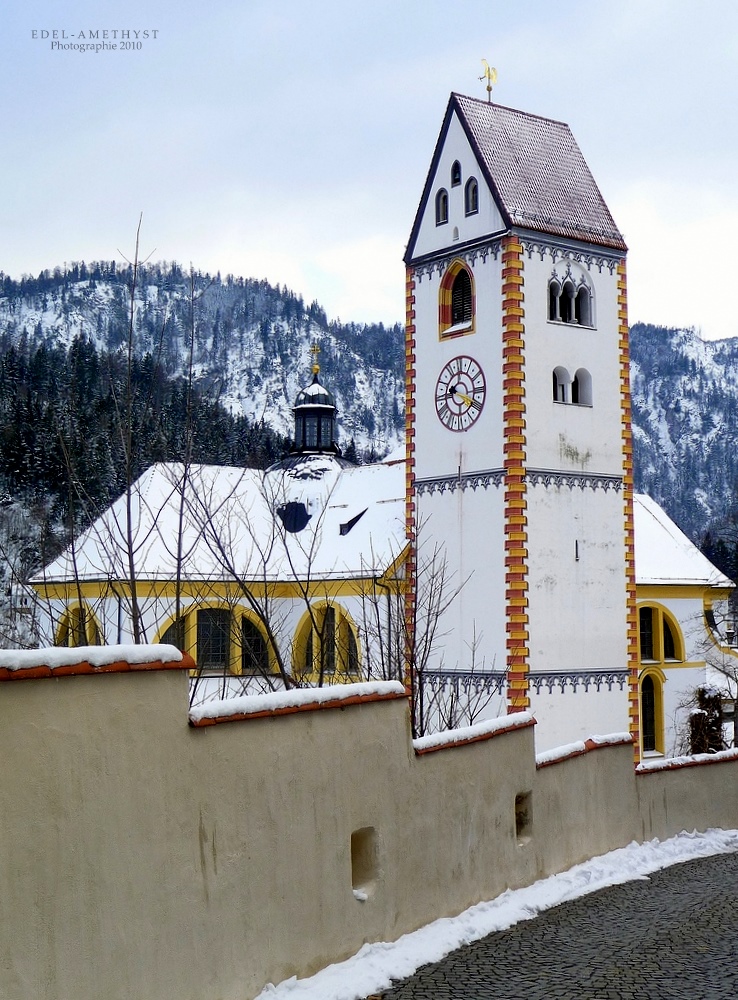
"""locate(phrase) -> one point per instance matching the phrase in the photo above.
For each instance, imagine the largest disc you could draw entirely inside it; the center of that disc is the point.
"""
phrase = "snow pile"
(97, 656)
(668, 763)
(375, 966)
(611, 739)
(275, 701)
(560, 753)
(450, 736)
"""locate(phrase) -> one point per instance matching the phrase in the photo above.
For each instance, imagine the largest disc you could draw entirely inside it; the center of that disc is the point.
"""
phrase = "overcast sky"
(290, 140)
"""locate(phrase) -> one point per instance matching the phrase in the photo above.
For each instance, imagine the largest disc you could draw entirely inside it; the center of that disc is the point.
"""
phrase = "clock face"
(460, 393)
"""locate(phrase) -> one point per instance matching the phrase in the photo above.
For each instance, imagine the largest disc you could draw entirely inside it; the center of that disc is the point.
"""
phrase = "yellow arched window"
(651, 691)
(456, 301)
(659, 637)
(78, 627)
(222, 639)
(326, 649)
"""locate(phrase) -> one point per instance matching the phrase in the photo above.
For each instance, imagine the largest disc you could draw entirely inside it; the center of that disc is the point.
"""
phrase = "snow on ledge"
(610, 739)
(673, 763)
(97, 656)
(472, 734)
(576, 749)
(294, 700)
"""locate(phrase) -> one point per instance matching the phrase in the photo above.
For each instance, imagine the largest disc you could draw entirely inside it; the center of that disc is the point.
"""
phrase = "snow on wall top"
(97, 656)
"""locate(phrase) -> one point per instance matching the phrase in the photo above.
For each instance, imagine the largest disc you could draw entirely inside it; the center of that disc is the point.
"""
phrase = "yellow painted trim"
(669, 665)
(205, 590)
(696, 591)
(390, 575)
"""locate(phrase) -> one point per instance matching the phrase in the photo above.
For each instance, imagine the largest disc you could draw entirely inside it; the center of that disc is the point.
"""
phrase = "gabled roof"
(535, 170)
(353, 525)
(664, 554)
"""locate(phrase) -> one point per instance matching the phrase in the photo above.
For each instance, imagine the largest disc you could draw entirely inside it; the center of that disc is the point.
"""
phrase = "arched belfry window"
(441, 207)
(456, 304)
(461, 298)
(455, 174)
(581, 388)
(471, 197)
(561, 383)
(570, 297)
(583, 306)
(566, 302)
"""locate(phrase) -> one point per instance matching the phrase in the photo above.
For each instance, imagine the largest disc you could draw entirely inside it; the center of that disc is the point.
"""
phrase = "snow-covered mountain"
(251, 345)
(684, 393)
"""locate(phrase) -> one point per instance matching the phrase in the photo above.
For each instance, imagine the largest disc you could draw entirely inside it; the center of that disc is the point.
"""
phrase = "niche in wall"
(523, 817)
(364, 862)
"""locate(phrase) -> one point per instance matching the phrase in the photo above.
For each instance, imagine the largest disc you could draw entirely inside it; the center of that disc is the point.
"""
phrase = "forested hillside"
(250, 341)
(684, 393)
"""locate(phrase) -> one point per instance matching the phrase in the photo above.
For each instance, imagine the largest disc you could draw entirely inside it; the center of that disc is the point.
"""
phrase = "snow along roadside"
(375, 966)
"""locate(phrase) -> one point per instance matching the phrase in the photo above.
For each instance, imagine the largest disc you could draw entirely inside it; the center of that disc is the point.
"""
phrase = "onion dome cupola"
(315, 417)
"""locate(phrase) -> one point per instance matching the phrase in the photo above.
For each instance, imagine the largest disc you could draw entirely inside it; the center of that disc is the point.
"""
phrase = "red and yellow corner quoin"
(629, 528)
(410, 567)
(514, 458)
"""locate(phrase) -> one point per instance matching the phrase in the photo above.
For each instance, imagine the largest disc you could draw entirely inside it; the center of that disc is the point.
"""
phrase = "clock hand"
(467, 399)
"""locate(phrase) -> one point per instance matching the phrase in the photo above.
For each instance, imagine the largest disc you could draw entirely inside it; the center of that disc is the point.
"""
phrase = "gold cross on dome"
(315, 351)
(490, 75)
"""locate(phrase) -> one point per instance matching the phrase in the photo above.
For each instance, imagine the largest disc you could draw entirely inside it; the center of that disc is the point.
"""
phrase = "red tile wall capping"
(630, 574)
(84, 668)
(589, 745)
(313, 706)
(452, 745)
(514, 456)
(410, 565)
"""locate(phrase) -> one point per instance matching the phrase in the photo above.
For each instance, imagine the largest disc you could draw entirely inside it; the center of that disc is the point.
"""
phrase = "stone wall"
(144, 857)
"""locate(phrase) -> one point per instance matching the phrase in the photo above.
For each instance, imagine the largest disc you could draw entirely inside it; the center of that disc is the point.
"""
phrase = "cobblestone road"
(673, 937)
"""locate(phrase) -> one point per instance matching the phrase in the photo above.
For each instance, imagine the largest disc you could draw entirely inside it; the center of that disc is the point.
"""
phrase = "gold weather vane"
(315, 351)
(490, 75)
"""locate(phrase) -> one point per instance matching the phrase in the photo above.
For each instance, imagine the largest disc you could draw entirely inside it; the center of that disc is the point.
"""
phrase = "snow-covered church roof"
(313, 517)
(664, 554)
(310, 517)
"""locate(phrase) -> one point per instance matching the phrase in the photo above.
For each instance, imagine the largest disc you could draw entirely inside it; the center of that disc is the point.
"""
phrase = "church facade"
(503, 559)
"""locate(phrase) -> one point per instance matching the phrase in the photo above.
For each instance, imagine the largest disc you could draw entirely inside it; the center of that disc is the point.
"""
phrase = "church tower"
(518, 419)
